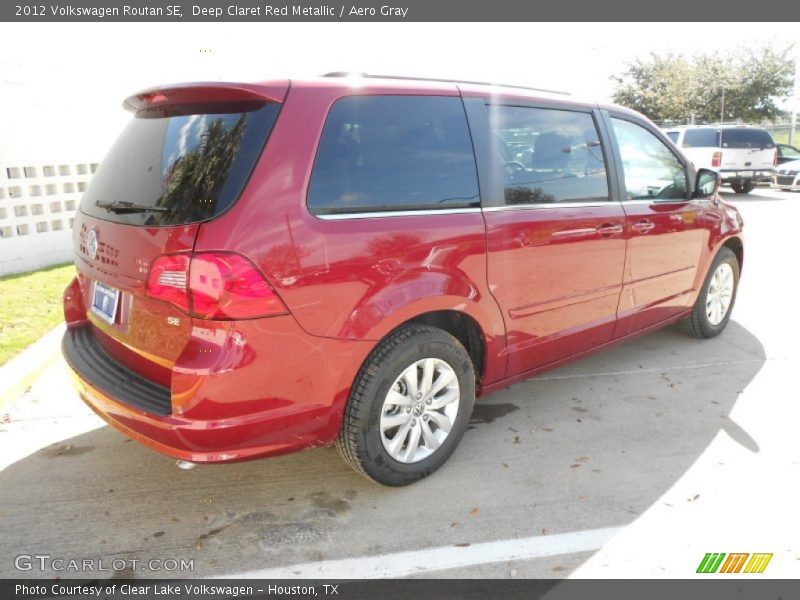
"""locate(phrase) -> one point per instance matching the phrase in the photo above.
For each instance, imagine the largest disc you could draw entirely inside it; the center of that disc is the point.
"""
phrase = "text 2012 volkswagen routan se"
(269, 267)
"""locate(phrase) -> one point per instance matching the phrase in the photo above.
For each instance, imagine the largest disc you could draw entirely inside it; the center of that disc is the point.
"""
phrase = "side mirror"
(707, 183)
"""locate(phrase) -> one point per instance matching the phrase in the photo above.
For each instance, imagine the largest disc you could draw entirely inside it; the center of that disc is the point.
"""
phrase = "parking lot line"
(417, 562)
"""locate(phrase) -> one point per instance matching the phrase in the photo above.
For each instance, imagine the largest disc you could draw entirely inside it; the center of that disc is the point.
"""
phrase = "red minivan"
(269, 267)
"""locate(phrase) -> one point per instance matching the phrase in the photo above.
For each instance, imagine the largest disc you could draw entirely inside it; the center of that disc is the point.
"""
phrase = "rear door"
(174, 166)
(555, 236)
(665, 229)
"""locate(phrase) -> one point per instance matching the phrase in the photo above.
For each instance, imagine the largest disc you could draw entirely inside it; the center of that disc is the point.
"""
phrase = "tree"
(673, 87)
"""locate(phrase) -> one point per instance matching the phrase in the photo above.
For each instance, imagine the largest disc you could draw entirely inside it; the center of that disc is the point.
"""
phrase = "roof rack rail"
(437, 80)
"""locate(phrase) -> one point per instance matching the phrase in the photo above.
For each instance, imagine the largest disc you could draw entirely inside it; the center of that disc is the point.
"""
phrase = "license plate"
(105, 301)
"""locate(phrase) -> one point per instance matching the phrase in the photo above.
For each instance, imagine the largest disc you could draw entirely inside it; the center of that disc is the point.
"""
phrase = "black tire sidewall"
(376, 461)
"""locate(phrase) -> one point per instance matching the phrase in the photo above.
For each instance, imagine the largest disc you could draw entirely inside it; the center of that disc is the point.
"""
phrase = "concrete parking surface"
(632, 463)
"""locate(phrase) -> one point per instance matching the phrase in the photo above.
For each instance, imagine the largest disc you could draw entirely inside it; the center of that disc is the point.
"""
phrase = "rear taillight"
(213, 285)
(167, 280)
(775, 159)
(716, 160)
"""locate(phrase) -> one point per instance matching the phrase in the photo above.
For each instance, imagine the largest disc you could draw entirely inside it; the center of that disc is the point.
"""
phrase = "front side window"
(651, 170)
(548, 156)
(385, 153)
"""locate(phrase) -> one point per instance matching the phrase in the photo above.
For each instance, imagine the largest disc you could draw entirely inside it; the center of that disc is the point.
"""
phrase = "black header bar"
(265, 11)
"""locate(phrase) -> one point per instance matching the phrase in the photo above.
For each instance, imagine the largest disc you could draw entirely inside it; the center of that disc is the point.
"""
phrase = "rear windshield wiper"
(129, 207)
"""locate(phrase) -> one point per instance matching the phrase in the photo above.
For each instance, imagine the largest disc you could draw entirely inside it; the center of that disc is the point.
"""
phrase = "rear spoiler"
(195, 98)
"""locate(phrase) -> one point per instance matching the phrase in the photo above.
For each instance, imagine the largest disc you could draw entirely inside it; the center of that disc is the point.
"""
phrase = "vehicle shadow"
(590, 445)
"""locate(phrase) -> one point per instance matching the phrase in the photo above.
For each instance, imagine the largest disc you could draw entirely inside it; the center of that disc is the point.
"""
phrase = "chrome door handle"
(609, 229)
(643, 226)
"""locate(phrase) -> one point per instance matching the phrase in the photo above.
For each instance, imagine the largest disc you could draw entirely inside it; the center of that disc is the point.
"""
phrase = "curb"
(21, 371)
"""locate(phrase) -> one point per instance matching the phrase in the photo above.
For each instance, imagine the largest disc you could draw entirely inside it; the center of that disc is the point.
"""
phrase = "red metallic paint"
(543, 286)
(557, 279)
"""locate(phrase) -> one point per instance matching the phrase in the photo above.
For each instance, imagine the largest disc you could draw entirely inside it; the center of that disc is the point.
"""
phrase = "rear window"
(383, 153)
(701, 138)
(746, 138)
(179, 169)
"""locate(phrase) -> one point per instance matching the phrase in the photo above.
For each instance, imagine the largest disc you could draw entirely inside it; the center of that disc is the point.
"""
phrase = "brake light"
(168, 278)
(775, 159)
(716, 160)
(213, 285)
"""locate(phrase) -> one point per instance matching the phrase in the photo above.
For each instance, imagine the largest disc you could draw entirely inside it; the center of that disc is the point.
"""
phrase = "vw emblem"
(91, 244)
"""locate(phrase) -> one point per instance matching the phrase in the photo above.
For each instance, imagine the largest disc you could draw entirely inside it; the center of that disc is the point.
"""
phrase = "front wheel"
(409, 406)
(712, 310)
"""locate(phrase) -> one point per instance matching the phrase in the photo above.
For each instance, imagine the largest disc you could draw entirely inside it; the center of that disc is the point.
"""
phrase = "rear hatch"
(730, 148)
(183, 159)
(747, 148)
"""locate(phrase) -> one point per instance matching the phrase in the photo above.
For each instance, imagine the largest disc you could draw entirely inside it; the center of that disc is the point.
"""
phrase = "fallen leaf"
(557, 569)
(548, 429)
(473, 512)
(463, 545)
(582, 459)
(505, 465)
(516, 439)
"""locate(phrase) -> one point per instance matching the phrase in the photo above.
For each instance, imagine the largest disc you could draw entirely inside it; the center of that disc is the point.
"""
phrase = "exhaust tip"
(185, 465)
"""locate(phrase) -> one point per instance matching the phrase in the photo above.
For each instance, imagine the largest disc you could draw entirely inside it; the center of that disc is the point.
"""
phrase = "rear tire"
(397, 426)
(713, 307)
(743, 188)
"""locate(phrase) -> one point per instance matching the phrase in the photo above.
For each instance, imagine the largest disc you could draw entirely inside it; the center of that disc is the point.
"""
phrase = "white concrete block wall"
(37, 209)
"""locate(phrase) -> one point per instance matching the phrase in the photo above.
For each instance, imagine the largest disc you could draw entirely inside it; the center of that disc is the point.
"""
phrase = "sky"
(62, 84)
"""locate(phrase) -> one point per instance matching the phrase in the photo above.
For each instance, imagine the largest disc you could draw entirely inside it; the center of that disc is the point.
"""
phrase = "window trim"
(494, 200)
(623, 190)
(369, 213)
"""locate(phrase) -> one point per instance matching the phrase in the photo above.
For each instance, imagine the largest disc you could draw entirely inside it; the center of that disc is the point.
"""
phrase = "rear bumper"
(213, 412)
(744, 175)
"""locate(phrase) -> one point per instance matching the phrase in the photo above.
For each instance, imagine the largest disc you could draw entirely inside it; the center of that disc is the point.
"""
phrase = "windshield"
(180, 169)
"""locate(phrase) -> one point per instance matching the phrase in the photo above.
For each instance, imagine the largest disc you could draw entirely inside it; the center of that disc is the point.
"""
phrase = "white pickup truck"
(744, 156)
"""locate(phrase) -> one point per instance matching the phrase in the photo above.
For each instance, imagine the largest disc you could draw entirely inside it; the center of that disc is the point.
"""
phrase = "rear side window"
(383, 153)
(548, 156)
(179, 169)
(746, 138)
(701, 138)
(673, 136)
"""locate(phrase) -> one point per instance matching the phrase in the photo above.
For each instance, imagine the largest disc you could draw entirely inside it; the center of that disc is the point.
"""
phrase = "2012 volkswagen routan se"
(270, 267)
